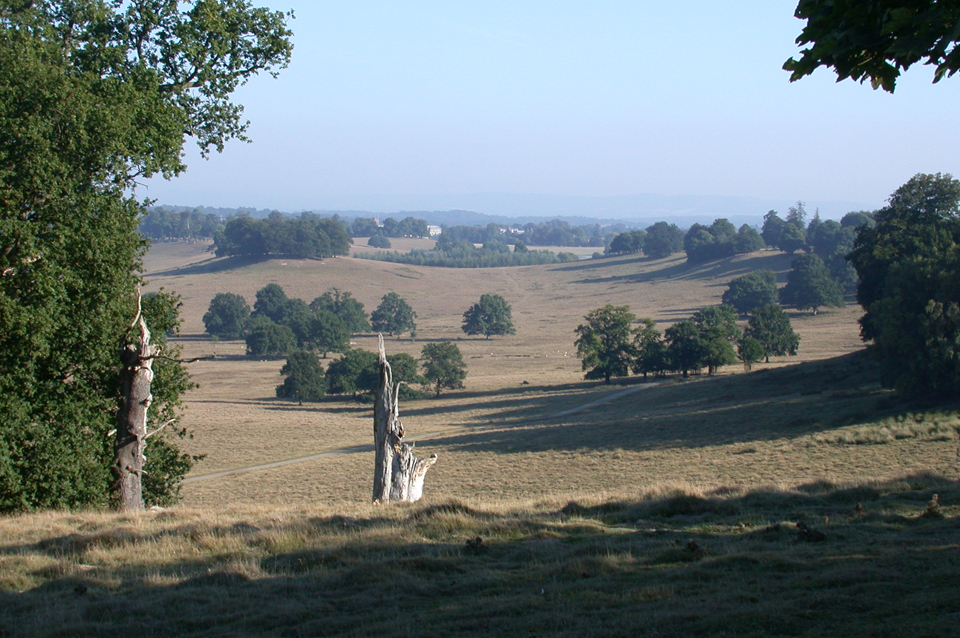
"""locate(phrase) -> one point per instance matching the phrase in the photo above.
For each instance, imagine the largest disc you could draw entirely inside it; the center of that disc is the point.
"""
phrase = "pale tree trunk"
(131, 438)
(397, 474)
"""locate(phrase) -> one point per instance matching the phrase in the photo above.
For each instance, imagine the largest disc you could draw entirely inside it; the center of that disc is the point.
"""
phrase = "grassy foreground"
(815, 560)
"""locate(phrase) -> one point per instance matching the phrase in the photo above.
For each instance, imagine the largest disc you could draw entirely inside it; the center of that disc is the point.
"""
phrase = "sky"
(423, 105)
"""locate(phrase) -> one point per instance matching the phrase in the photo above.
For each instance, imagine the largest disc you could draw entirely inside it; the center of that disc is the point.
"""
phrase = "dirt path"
(423, 437)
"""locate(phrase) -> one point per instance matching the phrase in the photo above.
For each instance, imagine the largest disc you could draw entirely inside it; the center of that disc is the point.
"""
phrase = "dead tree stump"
(137, 358)
(397, 475)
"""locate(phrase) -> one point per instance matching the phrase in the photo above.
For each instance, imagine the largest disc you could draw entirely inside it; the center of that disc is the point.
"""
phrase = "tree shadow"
(212, 265)
(563, 569)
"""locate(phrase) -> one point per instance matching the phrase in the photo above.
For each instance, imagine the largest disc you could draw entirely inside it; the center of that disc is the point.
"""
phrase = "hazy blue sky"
(398, 101)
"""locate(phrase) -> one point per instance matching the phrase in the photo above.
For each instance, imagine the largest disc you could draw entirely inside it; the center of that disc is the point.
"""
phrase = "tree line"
(306, 237)
(612, 341)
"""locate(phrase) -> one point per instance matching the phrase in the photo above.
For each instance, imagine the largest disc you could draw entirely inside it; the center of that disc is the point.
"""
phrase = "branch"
(206, 357)
(149, 434)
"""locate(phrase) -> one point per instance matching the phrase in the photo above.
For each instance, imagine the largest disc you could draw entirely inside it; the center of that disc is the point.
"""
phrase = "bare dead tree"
(398, 475)
(137, 358)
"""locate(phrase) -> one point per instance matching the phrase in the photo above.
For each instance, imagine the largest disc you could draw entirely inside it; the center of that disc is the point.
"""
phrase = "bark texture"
(137, 359)
(398, 475)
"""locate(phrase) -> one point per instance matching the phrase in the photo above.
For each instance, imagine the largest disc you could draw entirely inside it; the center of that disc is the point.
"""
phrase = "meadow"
(794, 499)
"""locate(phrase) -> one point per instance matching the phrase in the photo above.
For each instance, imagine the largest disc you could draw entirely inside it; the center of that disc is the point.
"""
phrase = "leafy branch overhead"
(878, 39)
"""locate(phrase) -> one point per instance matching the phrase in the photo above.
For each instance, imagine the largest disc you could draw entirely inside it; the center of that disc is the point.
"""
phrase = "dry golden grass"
(502, 439)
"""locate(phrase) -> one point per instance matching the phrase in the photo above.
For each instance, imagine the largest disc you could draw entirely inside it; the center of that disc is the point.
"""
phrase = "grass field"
(674, 507)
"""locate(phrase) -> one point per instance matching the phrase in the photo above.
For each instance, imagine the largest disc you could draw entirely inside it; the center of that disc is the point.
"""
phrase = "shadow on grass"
(676, 564)
(770, 404)
(728, 268)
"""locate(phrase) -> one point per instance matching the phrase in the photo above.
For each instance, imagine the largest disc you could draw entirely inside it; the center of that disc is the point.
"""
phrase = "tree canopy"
(877, 40)
(94, 96)
(443, 365)
(770, 327)
(810, 285)
(394, 316)
(226, 316)
(605, 342)
(909, 268)
(490, 316)
(749, 291)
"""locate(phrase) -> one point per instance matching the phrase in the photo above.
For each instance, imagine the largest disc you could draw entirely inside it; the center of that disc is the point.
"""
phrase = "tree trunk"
(131, 438)
(397, 474)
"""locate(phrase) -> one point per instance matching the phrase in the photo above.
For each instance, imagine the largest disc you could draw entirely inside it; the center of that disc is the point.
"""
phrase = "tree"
(379, 241)
(772, 228)
(398, 475)
(489, 316)
(443, 365)
(350, 311)
(810, 286)
(226, 316)
(353, 373)
(393, 316)
(748, 240)
(627, 243)
(793, 237)
(754, 289)
(605, 342)
(684, 347)
(304, 377)
(718, 333)
(649, 348)
(662, 240)
(99, 95)
(327, 333)
(770, 327)
(877, 40)
(271, 303)
(909, 269)
(749, 351)
(266, 338)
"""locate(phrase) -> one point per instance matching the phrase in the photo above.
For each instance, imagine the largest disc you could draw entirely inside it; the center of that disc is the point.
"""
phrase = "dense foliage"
(770, 327)
(227, 315)
(810, 286)
(605, 342)
(303, 377)
(309, 237)
(757, 288)
(94, 96)
(877, 40)
(466, 255)
(662, 240)
(490, 316)
(394, 316)
(164, 223)
(720, 239)
(909, 267)
(443, 365)
(342, 304)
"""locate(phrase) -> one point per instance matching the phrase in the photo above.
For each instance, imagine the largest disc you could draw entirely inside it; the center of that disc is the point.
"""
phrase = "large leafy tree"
(95, 95)
(878, 39)
(770, 327)
(718, 334)
(341, 303)
(605, 342)
(490, 316)
(443, 365)
(810, 285)
(909, 268)
(394, 316)
(662, 240)
(754, 289)
(303, 377)
(226, 316)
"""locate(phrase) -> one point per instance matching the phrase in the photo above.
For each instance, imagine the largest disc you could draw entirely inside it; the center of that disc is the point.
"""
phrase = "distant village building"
(433, 231)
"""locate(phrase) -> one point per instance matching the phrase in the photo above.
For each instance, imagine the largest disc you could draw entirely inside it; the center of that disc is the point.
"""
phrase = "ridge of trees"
(612, 341)
(309, 237)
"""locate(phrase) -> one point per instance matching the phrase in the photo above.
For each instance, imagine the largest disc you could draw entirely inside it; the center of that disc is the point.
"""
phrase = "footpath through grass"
(815, 560)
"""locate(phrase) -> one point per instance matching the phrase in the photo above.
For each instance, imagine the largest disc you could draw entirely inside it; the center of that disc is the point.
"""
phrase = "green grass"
(876, 560)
